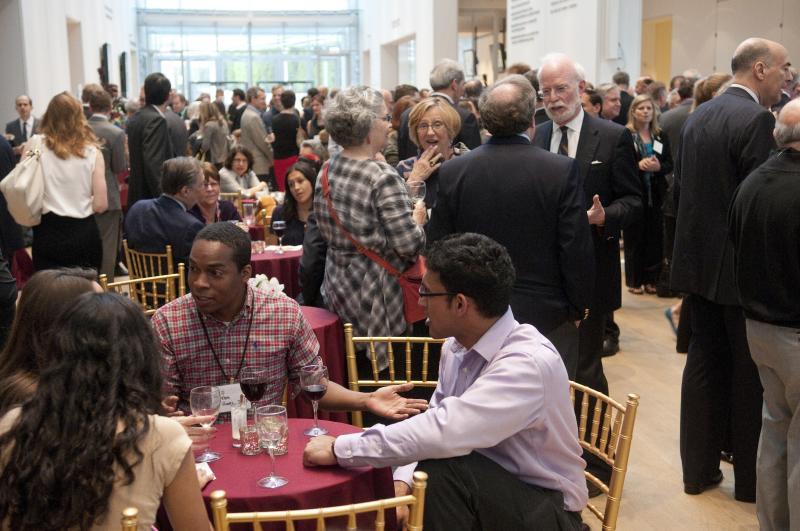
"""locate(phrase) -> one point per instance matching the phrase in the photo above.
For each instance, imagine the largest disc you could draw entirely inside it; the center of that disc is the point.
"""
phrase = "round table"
(285, 267)
(308, 488)
(330, 334)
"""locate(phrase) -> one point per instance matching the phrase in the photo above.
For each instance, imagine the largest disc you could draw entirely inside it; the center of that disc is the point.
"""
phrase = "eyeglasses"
(559, 91)
(387, 118)
(425, 293)
(436, 126)
(210, 184)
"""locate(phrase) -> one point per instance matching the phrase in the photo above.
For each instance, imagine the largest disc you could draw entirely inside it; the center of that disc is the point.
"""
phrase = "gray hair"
(179, 172)
(506, 116)
(252, 93)
(786, 133)
(556, 59)
(349, 116)
(445, 73)
(605, 88)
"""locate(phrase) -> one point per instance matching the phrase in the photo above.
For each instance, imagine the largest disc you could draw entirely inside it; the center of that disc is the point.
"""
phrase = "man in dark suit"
(152, 224)
(149, 142)
(530, 201)
(178, 134)
(113, 146)
(612, 199)
(23, 127)
(623, 81)
(447, 82)
(723, 141)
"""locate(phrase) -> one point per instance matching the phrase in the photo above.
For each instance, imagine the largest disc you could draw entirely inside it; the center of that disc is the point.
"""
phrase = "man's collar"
(575, 123)
(493, 339)
(253, 108)
(158, 109)
(98, 116)
(173, 198)
(443, 95)
(748, 90)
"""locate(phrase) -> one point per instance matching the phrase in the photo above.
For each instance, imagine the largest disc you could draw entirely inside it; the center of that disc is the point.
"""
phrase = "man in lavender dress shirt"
(499, 441)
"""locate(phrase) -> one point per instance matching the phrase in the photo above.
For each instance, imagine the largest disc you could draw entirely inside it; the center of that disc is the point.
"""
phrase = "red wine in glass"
(314, 392)
(253, 390)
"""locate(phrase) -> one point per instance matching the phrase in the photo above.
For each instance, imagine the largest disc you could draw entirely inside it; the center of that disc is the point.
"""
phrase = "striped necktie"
(563, 145)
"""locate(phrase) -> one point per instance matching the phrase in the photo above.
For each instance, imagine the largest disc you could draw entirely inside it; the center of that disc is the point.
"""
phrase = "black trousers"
(720, 379)
(473, 493)
(60, 241)
(565, 338)
(8, 300)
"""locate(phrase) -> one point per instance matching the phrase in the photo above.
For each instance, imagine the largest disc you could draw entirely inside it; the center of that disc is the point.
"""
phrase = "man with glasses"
(499, 441)
(612, 200)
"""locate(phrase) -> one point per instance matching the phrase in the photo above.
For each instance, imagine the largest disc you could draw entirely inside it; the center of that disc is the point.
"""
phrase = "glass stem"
(280, 242)
(315, 405)
(272, 458)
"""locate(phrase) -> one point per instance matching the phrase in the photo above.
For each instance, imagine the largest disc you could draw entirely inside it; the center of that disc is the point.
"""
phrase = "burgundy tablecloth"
(308, 488)
(330, 334)
(285, 267)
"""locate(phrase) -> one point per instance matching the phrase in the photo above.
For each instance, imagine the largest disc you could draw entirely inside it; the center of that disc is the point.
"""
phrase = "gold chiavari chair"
(235, 198)
(130, 519)
(416, 501)
(400, 366)
(609, 440)
(150, 292)
(148, 264)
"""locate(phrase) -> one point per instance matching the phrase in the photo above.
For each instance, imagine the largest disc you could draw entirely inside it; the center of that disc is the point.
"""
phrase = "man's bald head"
(787, 128)
(761, 65)
(507, 107)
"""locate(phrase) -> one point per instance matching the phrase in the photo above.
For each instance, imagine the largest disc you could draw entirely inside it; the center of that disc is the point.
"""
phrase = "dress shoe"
(594, 490)
(120, 270)
(697, 488)
(726, 456)
(610, 347)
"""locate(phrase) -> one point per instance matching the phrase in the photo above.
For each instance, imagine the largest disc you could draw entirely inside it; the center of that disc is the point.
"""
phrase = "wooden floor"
(653, 498)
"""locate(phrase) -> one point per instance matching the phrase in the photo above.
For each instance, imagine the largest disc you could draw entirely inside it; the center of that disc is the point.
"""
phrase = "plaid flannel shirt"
(281, 341)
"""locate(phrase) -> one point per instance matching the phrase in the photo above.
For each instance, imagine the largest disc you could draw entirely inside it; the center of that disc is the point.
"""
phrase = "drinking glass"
(272, 427)
(253, 381)
(314, 383)
(249, 208)
(205, 401)
(279, 227)
(416, 190)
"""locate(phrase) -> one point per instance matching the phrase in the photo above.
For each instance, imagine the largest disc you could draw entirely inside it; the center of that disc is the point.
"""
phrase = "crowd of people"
(533, 185)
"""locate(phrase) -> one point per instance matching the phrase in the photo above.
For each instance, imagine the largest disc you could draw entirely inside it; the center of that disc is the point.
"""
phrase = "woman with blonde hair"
(74, 189)
(213, 133)
(643, 239)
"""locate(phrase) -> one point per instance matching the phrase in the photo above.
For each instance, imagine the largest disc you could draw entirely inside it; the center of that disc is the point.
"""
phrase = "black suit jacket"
(605, 156)
(149, 146)
(152, 224)
(178, 134)
(528, 200)
(626, 100)
(723, 141)
(10, 231)
(470, 133)
(15, 129)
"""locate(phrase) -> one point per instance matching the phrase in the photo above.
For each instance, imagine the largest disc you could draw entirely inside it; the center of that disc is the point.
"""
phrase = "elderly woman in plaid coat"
(372, 204)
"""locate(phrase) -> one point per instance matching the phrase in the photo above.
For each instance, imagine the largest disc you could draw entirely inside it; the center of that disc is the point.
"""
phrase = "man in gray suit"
(113, 146)
(254, 136)
(23, 127)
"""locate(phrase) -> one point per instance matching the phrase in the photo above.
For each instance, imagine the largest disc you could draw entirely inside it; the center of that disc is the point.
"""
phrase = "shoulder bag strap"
(372, 255)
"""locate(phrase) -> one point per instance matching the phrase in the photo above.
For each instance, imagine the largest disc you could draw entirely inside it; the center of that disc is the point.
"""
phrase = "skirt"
(59, 241)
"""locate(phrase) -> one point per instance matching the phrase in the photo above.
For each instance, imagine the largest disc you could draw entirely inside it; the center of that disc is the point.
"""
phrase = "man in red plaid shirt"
(223, 325)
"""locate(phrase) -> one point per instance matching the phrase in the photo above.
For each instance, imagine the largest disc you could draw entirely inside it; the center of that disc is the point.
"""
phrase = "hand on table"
(388, 403)
(198, 434)
(319, 451)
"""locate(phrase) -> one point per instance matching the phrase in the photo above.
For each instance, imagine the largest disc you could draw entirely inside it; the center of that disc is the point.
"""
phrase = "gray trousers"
(109, 223)
(776, 352)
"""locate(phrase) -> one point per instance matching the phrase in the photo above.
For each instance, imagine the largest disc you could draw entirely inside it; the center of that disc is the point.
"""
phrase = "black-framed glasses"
(425, 293)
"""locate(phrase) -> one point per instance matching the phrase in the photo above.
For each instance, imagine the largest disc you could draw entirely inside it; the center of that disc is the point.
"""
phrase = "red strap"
(372, 255)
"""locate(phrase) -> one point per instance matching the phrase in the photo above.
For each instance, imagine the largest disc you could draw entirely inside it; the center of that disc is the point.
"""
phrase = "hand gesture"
(597, 214)
(170, 406)
(426, 164)
(198, 434)
(319, 451)
(388, 403)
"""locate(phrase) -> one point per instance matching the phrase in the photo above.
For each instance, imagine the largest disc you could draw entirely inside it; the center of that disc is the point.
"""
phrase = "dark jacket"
(723, 141)
(528, 200)
(149, 146)
(605, 157)
(764, 224)
(10, 233)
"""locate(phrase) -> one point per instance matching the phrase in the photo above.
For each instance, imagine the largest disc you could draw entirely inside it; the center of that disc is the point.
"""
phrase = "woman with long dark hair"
(89, 442)
(301, 178)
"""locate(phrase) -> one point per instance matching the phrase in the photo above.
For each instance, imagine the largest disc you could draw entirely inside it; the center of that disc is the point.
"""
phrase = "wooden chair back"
(148, 264)
(130, 519)
(416, 500)
(150, 292)
(400, 363)
(608, 438)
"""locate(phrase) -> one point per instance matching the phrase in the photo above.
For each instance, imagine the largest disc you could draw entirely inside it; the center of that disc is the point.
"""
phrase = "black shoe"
(697, 488)
(726, 456)
(610, 347)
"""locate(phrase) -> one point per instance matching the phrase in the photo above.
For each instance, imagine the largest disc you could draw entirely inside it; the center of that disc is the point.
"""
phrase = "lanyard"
(230, 379)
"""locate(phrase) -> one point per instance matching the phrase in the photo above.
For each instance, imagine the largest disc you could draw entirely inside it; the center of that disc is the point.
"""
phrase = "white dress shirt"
(573, 135)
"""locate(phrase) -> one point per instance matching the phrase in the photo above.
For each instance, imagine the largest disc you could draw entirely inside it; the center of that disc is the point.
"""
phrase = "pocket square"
(597, 162)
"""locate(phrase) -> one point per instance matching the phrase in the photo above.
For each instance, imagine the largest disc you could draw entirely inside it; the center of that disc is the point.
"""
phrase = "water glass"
(272, 427)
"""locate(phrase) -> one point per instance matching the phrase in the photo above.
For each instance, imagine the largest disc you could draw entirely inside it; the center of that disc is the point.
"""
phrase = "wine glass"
(272, 427)
(279, 227)
(314, 383)
(416, 190)
(205, 401)
(253, 381)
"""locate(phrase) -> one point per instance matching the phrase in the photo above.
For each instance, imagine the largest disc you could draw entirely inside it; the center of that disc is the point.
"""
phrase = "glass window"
(407, 62)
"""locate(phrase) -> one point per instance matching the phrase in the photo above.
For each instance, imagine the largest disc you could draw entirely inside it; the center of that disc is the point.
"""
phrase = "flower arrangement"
(267, 284)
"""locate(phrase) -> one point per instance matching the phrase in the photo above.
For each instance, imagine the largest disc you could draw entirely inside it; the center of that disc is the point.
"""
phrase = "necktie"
(563, 144)
(24, 131)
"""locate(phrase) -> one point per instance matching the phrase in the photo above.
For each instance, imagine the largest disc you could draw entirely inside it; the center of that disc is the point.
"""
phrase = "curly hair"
(349, 116)
(67, 133)
(80, 432)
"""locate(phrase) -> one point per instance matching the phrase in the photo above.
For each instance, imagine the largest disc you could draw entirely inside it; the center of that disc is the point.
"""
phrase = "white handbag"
(24, 186)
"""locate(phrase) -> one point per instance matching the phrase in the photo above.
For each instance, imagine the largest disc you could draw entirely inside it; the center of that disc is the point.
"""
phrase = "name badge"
(230, 397)
(658, 147)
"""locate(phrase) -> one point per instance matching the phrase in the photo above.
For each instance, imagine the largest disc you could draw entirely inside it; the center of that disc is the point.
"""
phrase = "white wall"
(44, 67)
(12, 59)
(384, 24)
(694, 44)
